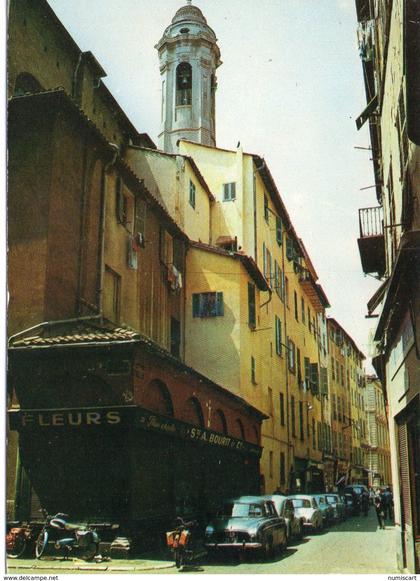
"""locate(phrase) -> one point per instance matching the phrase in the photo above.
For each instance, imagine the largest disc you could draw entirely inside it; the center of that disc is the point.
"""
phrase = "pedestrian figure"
(387, 502)
(379, 511)
(365, 503)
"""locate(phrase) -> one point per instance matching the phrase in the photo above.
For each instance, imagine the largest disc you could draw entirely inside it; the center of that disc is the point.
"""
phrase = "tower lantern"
(188, 57)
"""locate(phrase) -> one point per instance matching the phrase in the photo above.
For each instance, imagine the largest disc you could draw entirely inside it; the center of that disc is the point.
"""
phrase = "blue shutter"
(219, 305)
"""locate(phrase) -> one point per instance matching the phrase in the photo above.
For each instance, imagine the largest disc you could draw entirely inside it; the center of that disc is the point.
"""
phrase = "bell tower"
(188, 58)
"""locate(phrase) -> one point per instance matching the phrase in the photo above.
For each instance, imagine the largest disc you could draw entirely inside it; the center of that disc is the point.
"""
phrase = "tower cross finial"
(189, 2)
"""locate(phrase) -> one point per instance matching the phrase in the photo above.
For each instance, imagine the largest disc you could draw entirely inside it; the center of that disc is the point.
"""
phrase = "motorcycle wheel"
(179, 558)
(89, 552)
(41, 544)
(18, 549)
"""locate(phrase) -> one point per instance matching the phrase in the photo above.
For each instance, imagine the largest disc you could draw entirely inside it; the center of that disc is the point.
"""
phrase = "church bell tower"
(188, 57)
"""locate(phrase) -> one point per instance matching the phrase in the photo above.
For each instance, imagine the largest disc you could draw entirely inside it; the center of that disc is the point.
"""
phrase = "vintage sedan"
(307, 510)
(247, 523)
(284, 507)
(337, 504)
(326, 509)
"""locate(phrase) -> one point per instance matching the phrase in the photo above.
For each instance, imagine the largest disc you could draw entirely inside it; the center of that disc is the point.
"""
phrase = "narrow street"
(354, 546)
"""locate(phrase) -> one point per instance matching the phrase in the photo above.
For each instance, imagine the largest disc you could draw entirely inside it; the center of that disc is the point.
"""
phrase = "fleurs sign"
(125, 415)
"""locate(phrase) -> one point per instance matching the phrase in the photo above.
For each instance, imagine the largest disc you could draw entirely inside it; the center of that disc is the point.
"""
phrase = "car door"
(274, 522)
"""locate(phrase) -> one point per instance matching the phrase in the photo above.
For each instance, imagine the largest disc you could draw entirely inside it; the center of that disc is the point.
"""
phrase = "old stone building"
(389, 240)
(107, 421)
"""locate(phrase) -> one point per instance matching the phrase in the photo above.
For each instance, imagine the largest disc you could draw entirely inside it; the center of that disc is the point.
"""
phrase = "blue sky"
(290, 88)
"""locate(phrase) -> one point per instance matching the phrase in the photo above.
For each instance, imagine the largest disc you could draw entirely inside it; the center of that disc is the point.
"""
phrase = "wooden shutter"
(404, 473)
(219, 304)
(314, 378)
(119, 200)
(140, 217)
(289, 249)
(251, 305)
(196, 305)
(279, 231)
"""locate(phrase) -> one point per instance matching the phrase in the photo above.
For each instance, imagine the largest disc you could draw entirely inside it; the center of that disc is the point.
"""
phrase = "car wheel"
(300, 532)
(268, 548)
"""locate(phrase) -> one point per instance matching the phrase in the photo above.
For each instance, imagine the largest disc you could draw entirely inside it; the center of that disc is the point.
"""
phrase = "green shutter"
(196, 305)
(279, 231)
(289, 249)
(251, 305)
(314, 378)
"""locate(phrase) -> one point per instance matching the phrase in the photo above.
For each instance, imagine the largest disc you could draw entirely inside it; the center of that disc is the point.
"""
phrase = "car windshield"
(301, 503)
(240, 509)
(320, 499)
(331, 499)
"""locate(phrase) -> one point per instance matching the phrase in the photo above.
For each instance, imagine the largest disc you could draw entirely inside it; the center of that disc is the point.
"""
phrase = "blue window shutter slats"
(196, 305)
(219, 304)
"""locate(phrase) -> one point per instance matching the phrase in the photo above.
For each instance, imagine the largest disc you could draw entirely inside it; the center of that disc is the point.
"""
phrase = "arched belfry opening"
(183, 84)
(188, 58)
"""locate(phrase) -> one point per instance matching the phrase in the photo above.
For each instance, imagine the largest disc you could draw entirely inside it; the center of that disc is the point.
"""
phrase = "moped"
(184, 543)
(18, 537)
(71, 537)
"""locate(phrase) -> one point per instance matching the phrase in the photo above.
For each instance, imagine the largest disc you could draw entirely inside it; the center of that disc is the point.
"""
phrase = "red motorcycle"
(17, 539)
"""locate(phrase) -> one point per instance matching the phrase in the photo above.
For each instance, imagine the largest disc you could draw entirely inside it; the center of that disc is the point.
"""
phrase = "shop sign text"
(70, 418)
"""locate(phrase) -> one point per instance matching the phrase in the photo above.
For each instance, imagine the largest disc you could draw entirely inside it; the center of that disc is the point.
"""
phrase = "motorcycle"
(17, 539)
(83, 540)
(182, 542)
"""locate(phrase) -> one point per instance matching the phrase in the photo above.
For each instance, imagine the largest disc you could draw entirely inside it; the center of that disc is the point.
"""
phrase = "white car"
(307, 510)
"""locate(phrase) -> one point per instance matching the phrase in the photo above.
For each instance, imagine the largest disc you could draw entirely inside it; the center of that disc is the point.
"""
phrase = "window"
(253, 375)
(309, 318)
(192, 194)
(270, 402)
(289, 249)
(279, 231)
(342, 375)
(207, 304)
(271, 463)
(278, 336)
(296, 305)
(268, 266)
(301, 420)
(277, 279)
(291, 356)
(229, 192)
(251, 306)
(286, 292)
(319, 435)
(183, 84)
(266, 210)
(339, 408)
(292, 410)
(124, 205)
(302, 309)
(314, 378)
(307, 365)
(281, 409)
(166, 252)
(333, 368)
(282, 468)
(299, 369)
(334, 406)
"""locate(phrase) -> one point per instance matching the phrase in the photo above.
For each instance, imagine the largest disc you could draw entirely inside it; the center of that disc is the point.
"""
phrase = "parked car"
(348, 504)
(247, 523)
(284, 507)
(307, 510)
(326, 509)
(337, 504)
(356, 490)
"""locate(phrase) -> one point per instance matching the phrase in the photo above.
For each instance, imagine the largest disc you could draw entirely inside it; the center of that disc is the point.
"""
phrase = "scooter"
(83, 540)
(183, 543)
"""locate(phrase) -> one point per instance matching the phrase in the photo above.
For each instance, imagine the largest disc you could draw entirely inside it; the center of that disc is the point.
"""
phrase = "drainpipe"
(101, 249)
(289, 444)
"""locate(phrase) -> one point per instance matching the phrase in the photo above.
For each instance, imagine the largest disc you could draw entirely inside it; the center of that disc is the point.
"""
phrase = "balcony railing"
(371, 242)
(371, 222)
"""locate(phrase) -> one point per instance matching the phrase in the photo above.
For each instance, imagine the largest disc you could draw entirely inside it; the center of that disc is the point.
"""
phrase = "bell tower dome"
(188, 58)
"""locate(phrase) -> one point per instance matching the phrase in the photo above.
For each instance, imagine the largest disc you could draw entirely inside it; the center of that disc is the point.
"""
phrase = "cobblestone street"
(354, 546)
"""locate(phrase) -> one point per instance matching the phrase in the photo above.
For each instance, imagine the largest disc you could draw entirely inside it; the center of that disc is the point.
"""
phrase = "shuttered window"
(229, 192)
(208, 305)
(251, 305)
(279, 231)
(404, 474)
(278, 336)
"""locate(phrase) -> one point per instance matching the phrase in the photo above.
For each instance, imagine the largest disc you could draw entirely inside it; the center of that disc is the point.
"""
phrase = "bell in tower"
(189, 57)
